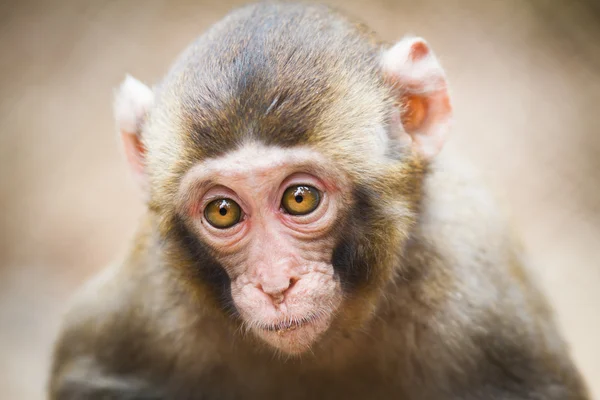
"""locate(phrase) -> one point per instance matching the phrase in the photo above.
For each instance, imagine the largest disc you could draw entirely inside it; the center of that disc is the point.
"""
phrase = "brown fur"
(437, 304)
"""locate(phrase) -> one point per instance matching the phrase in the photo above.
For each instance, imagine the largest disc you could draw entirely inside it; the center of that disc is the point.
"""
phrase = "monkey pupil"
(223, 211)
(299, 199)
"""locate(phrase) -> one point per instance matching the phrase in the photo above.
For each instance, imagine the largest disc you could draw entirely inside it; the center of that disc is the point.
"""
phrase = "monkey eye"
(300, 199)
(223, 213)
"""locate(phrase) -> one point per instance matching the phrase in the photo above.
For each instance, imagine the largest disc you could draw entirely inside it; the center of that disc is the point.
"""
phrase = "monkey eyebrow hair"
(199, 177)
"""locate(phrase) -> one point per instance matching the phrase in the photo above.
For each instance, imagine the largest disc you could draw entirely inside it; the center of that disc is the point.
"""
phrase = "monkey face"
(269, 216)
(290, 187)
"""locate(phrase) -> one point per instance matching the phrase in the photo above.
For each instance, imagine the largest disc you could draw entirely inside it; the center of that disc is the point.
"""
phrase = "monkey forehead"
(284, 75)
(256, 159)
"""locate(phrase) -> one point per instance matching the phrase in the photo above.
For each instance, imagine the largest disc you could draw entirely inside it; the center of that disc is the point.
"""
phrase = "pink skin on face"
(282, 280)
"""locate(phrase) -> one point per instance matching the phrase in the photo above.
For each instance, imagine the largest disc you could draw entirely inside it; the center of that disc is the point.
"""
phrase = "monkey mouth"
(289, 325)
(293, 335)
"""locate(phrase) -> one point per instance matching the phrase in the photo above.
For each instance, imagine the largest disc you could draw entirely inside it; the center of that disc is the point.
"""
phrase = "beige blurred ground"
(526, 85)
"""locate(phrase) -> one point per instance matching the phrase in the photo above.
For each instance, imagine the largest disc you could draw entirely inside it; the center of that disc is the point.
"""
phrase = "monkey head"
(285, 178)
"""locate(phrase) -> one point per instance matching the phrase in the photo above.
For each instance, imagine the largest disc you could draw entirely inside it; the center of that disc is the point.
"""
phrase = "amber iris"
(223, 213)
(300, 199)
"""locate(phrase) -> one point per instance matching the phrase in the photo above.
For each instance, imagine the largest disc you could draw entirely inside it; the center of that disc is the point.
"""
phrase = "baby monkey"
(304, 236)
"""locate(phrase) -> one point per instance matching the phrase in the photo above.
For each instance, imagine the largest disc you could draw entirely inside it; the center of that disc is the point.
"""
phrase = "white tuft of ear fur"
(412, 59)
(132, 101)
(419, 82)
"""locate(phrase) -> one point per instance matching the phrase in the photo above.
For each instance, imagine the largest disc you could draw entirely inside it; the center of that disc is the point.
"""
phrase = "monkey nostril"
(292, 283)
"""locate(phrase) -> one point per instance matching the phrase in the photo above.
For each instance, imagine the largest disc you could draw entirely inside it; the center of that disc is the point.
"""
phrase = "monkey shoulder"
(463, 224)
(464, 240)
(471, 283)
(126, 331)
(94, 341)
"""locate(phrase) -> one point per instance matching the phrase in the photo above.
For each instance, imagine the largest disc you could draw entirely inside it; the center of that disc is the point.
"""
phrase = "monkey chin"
(293, 338)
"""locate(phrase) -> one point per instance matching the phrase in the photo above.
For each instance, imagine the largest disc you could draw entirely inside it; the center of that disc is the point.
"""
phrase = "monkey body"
(414, 288)
(421, 344)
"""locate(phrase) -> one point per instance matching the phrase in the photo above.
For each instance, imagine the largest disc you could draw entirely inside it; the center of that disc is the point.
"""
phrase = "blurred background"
(525, 76)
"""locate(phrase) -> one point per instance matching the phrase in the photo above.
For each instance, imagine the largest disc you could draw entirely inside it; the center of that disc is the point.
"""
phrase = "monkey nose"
(276, 291)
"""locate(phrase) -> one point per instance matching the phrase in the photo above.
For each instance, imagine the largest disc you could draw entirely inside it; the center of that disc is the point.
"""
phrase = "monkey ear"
(419, 82)
(133, 100)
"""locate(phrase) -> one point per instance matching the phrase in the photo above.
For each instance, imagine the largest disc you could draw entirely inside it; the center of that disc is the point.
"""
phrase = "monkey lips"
(293, 335)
